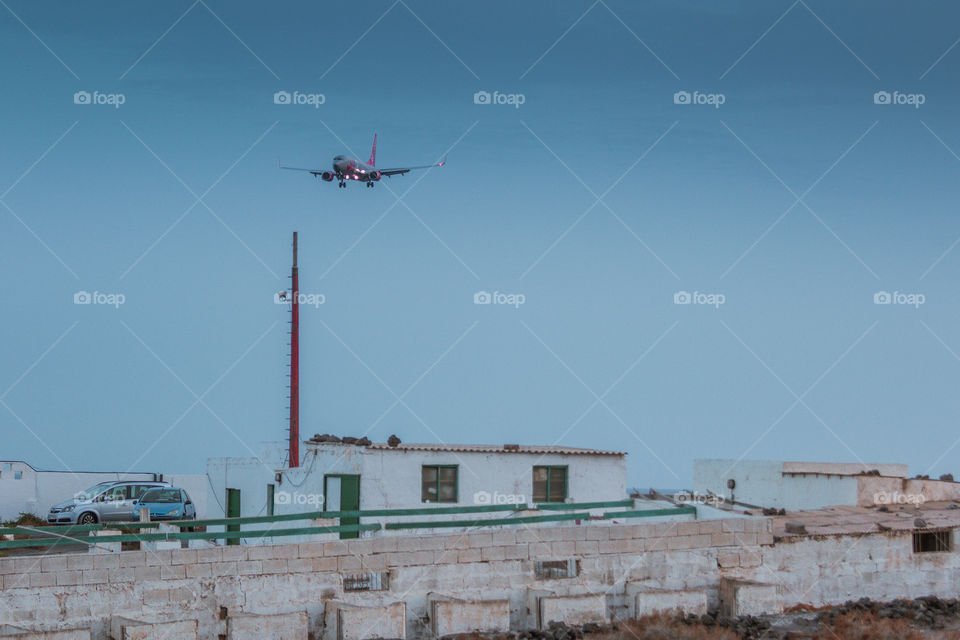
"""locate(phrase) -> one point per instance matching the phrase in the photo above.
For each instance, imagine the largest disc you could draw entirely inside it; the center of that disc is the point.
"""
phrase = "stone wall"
(824, 570)
(613, 564)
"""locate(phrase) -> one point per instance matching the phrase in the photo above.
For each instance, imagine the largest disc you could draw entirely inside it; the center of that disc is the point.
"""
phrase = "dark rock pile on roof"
(330, 438)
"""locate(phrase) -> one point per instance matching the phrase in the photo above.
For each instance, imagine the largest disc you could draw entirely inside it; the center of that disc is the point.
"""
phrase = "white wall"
(391, 479)
(197, 488)
(250, 475)
(834, 569)
(758, 481)
(17, 496)
(37, 491)
(806, 492)
(764, 483)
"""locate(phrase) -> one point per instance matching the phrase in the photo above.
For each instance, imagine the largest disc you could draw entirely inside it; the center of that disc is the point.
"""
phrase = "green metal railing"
(51, 536)
(565, 506)
(651, 513)
(439, 524)
(77, 528)
(368, 513)
(286, 517)
(184, 535)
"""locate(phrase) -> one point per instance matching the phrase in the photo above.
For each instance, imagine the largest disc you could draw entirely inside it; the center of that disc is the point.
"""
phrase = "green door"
(233, 511)
(342, 493)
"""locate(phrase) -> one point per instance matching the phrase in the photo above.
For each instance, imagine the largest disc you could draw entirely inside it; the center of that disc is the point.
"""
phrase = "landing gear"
(342, 184)
(369, 184)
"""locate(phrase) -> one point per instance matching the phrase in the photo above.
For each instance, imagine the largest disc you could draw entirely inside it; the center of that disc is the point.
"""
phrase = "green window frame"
(439, 483)
(550, 483)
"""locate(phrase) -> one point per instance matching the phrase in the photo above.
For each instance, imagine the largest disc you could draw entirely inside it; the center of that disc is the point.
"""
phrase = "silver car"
(103, 502)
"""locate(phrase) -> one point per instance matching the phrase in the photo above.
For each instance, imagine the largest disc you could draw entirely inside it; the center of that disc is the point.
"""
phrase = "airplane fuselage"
(347, 168)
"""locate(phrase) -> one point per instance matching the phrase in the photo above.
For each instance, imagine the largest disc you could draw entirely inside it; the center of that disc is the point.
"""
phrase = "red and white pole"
(294, 456)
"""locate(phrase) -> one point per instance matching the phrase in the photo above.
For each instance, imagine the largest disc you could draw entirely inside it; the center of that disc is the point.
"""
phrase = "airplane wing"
(403, 170)
(315, 172)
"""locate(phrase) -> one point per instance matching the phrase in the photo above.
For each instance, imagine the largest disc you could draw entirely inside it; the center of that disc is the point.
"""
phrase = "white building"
(24, 489)
(800, 486)
(336, 476)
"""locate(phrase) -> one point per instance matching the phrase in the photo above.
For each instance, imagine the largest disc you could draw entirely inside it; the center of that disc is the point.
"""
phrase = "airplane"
(346, 168)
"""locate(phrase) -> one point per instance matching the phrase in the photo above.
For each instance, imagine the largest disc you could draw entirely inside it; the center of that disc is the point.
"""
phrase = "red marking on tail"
(373, 153)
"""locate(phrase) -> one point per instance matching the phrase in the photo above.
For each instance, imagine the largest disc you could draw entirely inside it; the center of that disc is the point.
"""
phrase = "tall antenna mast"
(294, 454)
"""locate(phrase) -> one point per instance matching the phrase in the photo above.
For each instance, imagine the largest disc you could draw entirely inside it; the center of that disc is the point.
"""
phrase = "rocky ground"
(864, 619)
(921, 619)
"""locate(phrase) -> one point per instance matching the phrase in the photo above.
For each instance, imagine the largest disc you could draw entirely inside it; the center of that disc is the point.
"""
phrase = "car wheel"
(87, 518)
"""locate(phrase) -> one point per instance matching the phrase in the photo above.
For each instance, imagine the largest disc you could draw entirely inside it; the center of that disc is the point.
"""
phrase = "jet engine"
(375, 176)
(326, 176)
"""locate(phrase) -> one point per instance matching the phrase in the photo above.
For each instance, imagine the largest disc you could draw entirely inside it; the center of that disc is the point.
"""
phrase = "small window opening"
(932, 541)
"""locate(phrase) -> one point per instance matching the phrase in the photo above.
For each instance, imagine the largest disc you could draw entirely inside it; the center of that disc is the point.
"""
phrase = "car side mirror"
(188, 502)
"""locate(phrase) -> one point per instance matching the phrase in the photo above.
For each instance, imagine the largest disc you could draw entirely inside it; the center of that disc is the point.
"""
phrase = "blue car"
(166, 504)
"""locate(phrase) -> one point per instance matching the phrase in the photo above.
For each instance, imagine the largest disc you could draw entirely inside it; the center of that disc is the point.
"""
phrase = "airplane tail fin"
(373, 153)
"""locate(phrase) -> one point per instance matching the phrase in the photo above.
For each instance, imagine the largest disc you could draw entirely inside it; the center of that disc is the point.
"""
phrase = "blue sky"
(797, 200)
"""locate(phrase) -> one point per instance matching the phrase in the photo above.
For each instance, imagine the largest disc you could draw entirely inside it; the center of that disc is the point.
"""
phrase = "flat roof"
(799, 467)
(889, 469)
(844, 520)
(487, 448)
(75, 472)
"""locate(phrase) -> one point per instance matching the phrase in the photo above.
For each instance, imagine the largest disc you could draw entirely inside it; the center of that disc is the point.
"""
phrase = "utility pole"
(294, 453)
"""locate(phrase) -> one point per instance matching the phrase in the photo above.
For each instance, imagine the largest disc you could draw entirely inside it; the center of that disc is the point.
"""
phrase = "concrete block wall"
(452, 615)
(215, 585)
(748, 598)
(122, 628)
(826, 570)
(344, 621)
(275, 626)
(15, 633)
(648, 601)
(579, 609)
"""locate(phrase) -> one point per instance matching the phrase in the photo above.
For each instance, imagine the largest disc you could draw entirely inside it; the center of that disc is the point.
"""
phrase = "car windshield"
(161, 495)
(92, 492)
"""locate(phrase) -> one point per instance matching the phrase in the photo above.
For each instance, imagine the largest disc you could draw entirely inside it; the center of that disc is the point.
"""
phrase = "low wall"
(824, 570)
(879, 490)
(216, 585)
